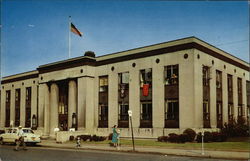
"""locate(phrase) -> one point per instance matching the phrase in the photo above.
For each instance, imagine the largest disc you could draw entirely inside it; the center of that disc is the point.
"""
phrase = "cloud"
(31, 25)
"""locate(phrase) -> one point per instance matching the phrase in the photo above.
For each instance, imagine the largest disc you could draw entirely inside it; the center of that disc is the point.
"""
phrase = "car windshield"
(28, 131)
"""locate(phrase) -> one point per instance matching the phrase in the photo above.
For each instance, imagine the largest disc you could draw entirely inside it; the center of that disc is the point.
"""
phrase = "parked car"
(10, 136)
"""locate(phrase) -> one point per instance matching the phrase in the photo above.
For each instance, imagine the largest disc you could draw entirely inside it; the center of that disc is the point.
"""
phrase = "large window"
(7, 109)
(219, 114)
(103, 84)
(229, 83)
(172, 114)
(218, 79)
(241, 111)
(103, 116)
(146, 115)
(103, 102)
(63, 105)
(28, 107)
(171, 74)
(206, 112)
(230, 113)
(17, 107)
(205, 75)
(146, 77)
(123, 112)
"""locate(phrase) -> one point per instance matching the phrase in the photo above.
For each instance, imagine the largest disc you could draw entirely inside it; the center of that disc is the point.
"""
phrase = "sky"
(36, 32)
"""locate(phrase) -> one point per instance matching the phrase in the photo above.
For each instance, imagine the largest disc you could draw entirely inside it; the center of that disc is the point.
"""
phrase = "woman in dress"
(114, 136)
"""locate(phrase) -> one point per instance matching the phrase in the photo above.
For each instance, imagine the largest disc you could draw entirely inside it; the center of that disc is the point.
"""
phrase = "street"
(53, 154)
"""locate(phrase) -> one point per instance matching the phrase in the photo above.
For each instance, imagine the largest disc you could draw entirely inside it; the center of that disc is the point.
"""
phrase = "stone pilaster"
(213, 98)
(54, 100)
(72, 100)
(134, 97)
(224, 98)
(12, 106)
(22, 107)
(46, 110)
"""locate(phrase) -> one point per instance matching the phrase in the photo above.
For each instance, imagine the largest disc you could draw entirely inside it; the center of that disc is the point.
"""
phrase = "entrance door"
(63, 105)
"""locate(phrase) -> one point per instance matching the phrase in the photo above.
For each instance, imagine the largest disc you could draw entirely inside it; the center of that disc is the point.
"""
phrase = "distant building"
(171, 86)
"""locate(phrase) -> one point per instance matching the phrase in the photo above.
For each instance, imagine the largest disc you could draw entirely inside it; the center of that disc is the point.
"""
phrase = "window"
(103, 113)
(229, 83)
(206, 111)
(7, 109)
(172, 110)
(103, 84)
(219, 114)
(146, 111)
(239, 82)
(171, 74)
(218, 79)
(103, 116)
(230, 112)
(123, 85)
(146, 77)
(17, 107)
(28, 107)
(103, 101)
(123, 112)
(205, 75)
(124, 78)
(241, 111)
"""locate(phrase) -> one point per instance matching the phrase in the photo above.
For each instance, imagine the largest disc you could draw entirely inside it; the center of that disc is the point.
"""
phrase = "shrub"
(182, 138)
(236, 129)
(207, 137)
(71, 138)
(218, 137)
(173, 138)
(85, 137)
(162, 139)
(190, 134)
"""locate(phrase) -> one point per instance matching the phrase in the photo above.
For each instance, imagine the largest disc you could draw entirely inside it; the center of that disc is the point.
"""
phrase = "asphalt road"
(52, 154)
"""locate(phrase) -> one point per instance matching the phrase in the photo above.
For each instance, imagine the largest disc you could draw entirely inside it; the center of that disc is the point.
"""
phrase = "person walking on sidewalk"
(20, 140)
(115, 136)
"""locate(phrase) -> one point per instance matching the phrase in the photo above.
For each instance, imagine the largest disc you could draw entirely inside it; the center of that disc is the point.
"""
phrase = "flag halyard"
(75, 30)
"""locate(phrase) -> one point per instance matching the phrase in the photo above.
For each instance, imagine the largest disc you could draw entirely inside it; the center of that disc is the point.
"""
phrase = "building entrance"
(63, 105)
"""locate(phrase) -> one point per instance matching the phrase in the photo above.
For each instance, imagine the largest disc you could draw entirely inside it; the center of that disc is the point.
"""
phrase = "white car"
(10, 136)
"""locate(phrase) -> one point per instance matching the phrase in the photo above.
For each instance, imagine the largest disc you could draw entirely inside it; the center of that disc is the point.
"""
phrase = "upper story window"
(239, 84)
(229, 83)
(146, 77)
(103, 84)
(218, 79)
(205, 75)
(28, 93)
(171, 74)
(123, 80)
(7, 96)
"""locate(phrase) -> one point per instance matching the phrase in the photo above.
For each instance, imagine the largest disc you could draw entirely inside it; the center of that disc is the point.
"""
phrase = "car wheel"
(1, 141)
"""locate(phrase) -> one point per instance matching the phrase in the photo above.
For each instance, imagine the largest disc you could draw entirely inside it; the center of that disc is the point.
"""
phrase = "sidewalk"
(152, 150)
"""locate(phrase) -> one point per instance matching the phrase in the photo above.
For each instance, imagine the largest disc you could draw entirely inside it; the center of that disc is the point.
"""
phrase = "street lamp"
(130, 116)
(34, 124)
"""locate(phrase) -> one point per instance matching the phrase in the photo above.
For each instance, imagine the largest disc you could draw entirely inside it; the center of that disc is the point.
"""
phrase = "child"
(78, 141)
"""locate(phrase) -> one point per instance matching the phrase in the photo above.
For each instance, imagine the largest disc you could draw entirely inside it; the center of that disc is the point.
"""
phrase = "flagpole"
(69, 36)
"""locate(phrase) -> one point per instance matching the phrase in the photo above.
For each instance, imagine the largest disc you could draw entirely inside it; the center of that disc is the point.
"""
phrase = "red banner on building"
(145, 89)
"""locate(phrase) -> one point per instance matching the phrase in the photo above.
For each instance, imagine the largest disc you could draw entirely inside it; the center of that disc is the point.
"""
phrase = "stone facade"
(90, 88)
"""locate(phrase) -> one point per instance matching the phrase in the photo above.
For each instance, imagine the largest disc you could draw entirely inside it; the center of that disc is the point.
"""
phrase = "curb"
(145, 152)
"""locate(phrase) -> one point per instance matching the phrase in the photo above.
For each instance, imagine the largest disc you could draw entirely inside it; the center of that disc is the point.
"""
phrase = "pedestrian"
(115, 136)
(78, 141)
(20, 140)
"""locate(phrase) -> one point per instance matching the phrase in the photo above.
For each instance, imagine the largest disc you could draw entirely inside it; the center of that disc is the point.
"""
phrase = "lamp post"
(130, 116)
(34, 124)
(202, 143)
